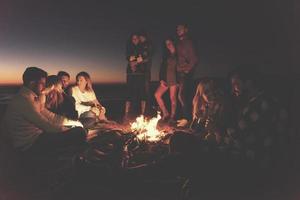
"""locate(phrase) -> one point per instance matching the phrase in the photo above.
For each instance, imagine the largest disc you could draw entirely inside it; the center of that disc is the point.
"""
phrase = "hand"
(131, 58)
(42, 99)
(96, 110)
(184, 68)
(140, 59)
(182, 122)
(47, 90)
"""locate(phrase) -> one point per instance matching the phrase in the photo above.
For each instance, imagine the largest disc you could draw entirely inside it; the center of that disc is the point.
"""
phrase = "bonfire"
(147, 129)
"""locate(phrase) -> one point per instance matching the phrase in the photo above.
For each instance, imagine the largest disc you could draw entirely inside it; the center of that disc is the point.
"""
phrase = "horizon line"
(95, 83)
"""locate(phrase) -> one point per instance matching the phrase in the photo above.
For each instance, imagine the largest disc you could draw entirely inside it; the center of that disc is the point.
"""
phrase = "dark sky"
(91, 36)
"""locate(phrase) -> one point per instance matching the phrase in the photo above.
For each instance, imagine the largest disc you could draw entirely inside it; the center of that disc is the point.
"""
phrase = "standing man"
(187, 60)
(135, 76)
(146, 48)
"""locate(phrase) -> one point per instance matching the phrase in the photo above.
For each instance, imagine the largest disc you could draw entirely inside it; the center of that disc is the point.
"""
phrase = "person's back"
(20, 127)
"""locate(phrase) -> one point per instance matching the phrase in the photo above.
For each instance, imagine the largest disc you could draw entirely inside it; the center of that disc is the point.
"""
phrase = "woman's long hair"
(205, 86)
(165, 51)
(54, 98)
(89, 86)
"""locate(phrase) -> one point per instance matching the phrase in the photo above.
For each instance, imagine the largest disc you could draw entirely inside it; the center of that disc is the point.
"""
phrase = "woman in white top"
(86, 102)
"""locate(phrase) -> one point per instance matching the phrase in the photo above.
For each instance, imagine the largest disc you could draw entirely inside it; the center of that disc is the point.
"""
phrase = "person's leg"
(143, 107)
(158, 96)
(142, 95)
(127, 109)
(181, 96)
(147, 85)
(130, 94)
(173, 98)
(188, 94)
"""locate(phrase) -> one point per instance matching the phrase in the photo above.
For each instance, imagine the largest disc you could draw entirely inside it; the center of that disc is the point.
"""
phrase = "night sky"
(91, 36)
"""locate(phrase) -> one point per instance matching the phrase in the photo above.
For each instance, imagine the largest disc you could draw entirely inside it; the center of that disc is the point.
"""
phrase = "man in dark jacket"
(146, 48)
(187, 60)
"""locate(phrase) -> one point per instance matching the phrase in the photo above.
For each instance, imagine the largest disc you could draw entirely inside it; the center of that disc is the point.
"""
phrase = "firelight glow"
(147, 129)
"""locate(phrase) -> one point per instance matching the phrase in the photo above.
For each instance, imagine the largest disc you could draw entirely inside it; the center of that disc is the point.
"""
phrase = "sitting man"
(64, 77)
(32, 128)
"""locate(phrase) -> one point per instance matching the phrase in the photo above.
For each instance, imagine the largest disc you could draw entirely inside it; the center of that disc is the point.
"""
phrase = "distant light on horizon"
(13, 75)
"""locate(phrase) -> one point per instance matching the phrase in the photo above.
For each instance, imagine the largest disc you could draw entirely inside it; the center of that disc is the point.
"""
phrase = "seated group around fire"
(47, 113)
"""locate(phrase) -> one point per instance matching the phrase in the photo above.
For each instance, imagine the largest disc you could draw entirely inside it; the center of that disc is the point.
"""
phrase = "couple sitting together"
(74, 102)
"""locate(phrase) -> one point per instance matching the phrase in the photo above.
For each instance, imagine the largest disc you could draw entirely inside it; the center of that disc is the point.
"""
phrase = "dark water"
(7, 92)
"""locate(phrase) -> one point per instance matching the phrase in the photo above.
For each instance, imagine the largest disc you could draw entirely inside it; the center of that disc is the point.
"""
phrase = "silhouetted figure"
(187, 60)
(136, 71)
(147, 53)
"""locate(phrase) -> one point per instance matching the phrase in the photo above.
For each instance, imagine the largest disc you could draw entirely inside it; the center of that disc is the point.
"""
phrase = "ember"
(147, 129)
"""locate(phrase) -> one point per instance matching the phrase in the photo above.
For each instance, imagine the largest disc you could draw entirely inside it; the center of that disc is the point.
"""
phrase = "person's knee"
(157, 95)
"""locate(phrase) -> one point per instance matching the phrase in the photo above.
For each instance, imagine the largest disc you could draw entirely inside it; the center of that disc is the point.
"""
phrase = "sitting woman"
(57, 100)
(209, 112)
(86, 102)
(167, 77)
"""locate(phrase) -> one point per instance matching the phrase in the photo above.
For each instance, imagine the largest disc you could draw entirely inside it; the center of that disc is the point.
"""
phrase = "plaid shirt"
(259, 125)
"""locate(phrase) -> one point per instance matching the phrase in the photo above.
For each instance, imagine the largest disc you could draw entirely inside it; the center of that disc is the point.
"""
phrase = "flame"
(147, 129)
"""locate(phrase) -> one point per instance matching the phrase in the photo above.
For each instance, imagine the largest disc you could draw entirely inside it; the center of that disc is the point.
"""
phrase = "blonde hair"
(203, 87)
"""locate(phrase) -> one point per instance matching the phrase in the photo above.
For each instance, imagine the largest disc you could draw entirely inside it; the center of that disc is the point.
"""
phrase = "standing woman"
(135, 75)
(86, 102)
(168, 80)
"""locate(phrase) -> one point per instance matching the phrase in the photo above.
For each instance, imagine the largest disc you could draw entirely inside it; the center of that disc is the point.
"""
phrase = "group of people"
(176, 71)
(48, 113)
(246, 121)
